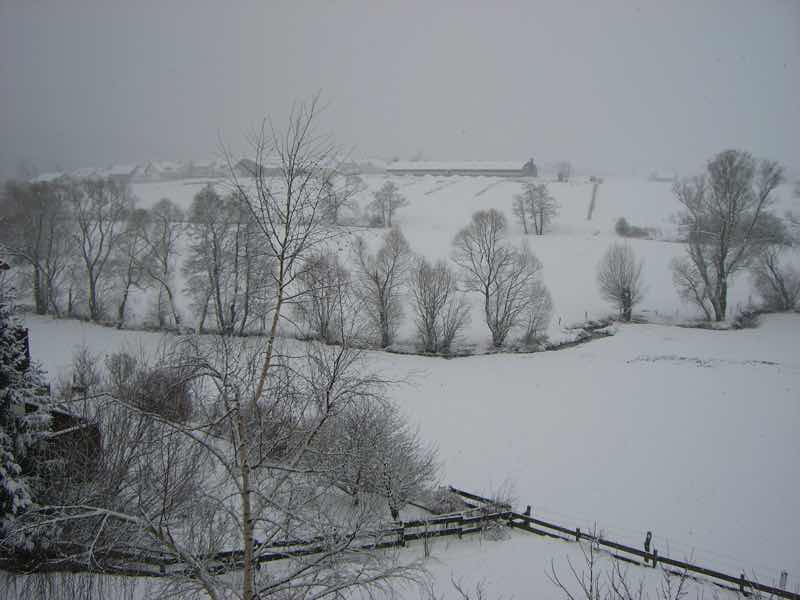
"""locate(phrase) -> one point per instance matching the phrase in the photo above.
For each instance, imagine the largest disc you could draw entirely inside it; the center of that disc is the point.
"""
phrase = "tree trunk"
(38, 292)
(247, 511)
(121, 309)
(174, 309)
(721, 306)
(94, 311)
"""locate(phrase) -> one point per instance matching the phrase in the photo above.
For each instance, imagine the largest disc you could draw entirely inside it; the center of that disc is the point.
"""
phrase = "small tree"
(339, 197)
(380, 282)
(563, 171)
(376, 452)
(619, 277)
(535, 208)
(775, 280)
(386, 202)
(325, 296)
(726, 222)
(129, 262)
(519, 208)
(164, 228)
(543, 208)
(537, 318)
(508, 279)
(440, 311)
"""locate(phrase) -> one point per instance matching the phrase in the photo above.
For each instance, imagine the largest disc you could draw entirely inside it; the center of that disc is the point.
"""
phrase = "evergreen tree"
(20, 383)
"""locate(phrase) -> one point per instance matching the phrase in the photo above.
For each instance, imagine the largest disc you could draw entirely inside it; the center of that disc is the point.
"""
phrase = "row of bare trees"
(507, 279)
(85, 246)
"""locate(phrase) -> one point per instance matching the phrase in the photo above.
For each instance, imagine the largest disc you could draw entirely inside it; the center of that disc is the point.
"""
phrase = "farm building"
(48, 177)
(474, 168)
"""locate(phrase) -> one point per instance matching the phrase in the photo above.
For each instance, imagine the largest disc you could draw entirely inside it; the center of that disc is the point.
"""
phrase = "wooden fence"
(482, 513)
(526, 522)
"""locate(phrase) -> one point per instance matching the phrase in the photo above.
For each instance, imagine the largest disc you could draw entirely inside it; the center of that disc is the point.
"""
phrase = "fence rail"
(483, 512)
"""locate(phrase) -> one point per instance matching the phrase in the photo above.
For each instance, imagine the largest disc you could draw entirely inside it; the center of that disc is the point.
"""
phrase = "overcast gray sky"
(611, 85)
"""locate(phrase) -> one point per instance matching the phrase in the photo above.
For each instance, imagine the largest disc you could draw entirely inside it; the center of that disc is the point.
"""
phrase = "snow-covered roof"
(216, 163)
(167, 165)
(402, 165)
(84, 173)
(119, 170)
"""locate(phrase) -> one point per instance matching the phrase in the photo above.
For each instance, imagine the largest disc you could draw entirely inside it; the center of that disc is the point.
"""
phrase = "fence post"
(741, 583)
(655, 557)
(647, 544)
(578, 534)
(527, 512)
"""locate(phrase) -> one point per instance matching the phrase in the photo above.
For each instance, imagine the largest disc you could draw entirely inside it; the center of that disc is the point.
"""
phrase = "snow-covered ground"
(691, 434)
(520, 567)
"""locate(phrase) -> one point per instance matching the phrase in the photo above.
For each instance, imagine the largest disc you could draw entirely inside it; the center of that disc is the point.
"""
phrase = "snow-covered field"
(691, 434)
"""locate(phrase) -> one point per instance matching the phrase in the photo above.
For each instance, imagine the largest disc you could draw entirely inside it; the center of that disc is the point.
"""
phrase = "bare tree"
(129, 260)
(725, 222)
(508, 279)
(36, 232)
(286, 210)
(519, 208)
(327, 294)
(339, 195)
(563, 171)
(543, 207)
(380, 281)
(385, 203)
(536, 319)
(440, 311)
(227, 272)
(99, 208)
(375, 452)
(619, 277)
(776, 280)
(162, 234)
(535, 206)
(604, 578)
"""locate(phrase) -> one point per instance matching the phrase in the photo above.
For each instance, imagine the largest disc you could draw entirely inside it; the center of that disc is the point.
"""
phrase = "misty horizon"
(612, 88)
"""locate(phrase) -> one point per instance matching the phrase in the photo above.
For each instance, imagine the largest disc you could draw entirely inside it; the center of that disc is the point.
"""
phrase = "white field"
(689, 433)
(692, 434)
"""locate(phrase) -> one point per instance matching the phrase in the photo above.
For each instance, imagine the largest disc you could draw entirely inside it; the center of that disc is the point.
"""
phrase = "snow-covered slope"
(440, 206)
(691, 434)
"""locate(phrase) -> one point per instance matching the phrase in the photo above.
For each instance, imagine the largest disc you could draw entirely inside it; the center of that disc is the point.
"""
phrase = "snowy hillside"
(691, 434)
(439, 207)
